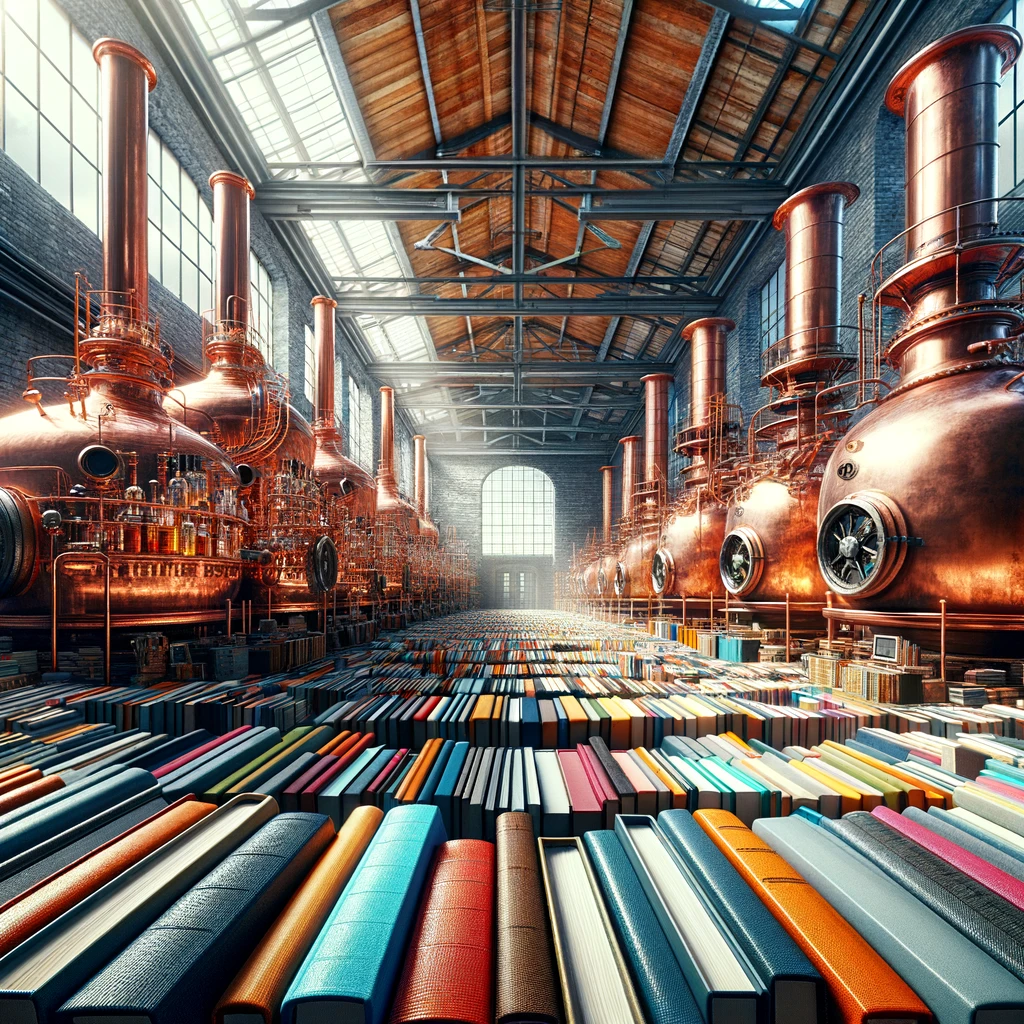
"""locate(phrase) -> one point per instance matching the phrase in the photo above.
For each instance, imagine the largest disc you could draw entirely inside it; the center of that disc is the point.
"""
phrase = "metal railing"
(835, 341)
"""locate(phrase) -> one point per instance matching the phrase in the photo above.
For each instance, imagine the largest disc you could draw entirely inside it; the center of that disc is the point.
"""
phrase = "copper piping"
(231, 196)
(386, 466)
(124, 103)
(323, 328)
(656, 427)
(607, 485)
(629, 452)
(420, 474)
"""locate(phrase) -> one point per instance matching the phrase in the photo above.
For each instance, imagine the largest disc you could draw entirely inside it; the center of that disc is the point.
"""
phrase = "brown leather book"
(526, 986)
(862, 985)
(447, 974)
(259, 987)
(29, 792)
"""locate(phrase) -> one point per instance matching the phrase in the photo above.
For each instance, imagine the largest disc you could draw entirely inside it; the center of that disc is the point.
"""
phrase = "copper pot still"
(922, 503)
(685, 562)
(96, 461)
(769, 552)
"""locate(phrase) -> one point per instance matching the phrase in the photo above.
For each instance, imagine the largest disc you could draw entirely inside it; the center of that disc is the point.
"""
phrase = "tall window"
(180, 230)
(360, 434)
(773, 308)
(261, 313)
(1011, 111)
(309, 377)
(518, 512)
(51, 124)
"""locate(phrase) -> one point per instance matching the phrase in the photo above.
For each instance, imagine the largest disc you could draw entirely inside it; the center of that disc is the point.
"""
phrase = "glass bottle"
(177, 486)
(152, 527)
(134, 495)
(188, 536)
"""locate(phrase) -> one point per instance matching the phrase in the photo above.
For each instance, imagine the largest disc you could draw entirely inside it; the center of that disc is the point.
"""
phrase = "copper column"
(707, 340)
(656, 427)
(386, 466)
(420, 474)
(126, 77)
(607, 483)
(629, 452)
(231, 196)
(323, 329)
(813, 221)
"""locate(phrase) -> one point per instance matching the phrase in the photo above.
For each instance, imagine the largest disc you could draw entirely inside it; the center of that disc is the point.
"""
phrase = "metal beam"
(469, 406)
(354, 303)
(698, 200)
(576, 450)
(552, 427)
(561, 374)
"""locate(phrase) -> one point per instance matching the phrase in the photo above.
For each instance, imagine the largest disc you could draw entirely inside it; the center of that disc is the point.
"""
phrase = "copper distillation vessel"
(92, 529)
(594, 576)
(768, 559)
(349, 491)
(920, 510)
(685, 564)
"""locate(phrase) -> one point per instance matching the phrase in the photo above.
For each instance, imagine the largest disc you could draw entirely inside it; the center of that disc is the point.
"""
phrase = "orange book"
(260, 985)
(410, 785)
(48, 899)
(19, 778)
(334, 742)
(30, 791)
(862, 985)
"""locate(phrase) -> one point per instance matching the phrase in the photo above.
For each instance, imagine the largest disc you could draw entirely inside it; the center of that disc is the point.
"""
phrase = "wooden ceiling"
(603, 77)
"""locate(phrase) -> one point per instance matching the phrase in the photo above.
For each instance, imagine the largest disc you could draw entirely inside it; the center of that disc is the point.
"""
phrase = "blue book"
(350, 972)
(426, 794)
(446, 787)
(530, 723)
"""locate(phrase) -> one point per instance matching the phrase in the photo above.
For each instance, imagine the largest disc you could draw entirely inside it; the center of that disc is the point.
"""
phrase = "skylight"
(280, 83)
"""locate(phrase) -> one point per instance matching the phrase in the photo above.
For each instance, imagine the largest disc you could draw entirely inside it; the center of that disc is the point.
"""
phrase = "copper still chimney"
(427, 528)
(770, 548)
(341, 479)
(397, 524)
(922, 502)
(685, 563)
(241, 404)
(99, 462)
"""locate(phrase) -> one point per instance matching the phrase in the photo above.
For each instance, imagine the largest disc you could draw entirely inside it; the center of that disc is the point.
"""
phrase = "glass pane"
(21, 131)
(55, 36)
(26, 14)
(85, 200)
(85, 129)
(153, 157)
(190, 285)
(55, 163)
(189, 197)
(170, 178)
(85, 73)
(171, 221)
(55, 98)
(189, 240)
(155, 244)
(21, 65)
(1007, 179)
(171, 270)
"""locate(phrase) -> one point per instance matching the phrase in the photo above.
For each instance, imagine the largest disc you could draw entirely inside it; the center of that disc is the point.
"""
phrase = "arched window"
(518, 512)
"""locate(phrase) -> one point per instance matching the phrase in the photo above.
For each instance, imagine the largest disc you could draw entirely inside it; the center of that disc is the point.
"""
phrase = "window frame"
(517, 506)
(773, 308)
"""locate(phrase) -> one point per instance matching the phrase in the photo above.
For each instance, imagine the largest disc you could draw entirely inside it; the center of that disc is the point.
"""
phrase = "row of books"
(188, 911)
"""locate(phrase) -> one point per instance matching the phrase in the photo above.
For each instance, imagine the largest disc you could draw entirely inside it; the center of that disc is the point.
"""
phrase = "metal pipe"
(607, 485)
(787, 629)
(126, 78)
(420, 474)
(386, 466)
(942, 639)
(656, 427)
(828, 618)
(231, 196)
(629, 452)
(229, 619)
(323, 328)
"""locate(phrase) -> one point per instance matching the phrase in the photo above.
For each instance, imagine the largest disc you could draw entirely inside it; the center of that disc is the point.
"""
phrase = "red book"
(600, 783)
(388, 769)
(428, 705)
(1003, 789)
(184, 759)
(587, 808)
(307, 798)
(291, 797)
(988, 875)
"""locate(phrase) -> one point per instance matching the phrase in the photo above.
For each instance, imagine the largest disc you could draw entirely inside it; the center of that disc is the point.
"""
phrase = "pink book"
(646, 794)
(199, 751)
(1003, 789)
(1002, 884)
(600, 783)
(382, 777)
(587, 809)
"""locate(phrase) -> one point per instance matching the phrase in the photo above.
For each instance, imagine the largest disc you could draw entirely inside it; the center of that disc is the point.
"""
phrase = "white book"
(554, 797)
(709, 795)
(595, 981)
(829, 801)
(531, 787)
(746, 801)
